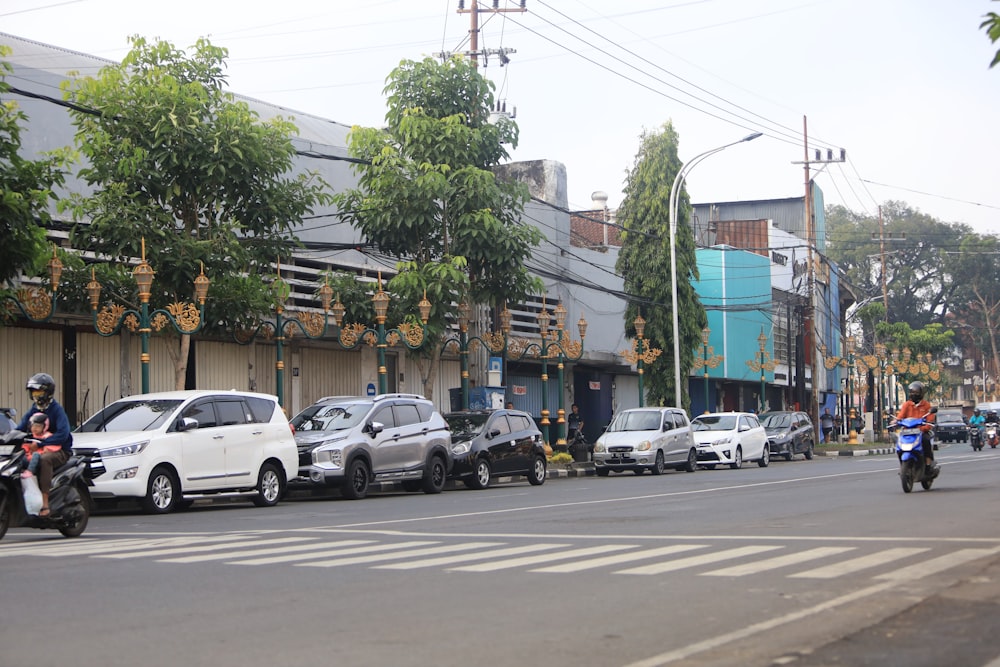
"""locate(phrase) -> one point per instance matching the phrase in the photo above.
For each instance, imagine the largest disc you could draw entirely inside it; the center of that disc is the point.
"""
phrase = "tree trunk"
(179, 357)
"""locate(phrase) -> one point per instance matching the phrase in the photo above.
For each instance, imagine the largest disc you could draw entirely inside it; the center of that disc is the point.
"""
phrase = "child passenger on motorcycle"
(918, 407)
(34, 447)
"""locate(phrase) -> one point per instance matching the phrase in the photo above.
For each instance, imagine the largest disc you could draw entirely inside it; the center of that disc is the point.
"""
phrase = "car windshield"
(714, 423)
(949, 416)
(636, 420)
(335, 417)
(131, 416)
(776, 421)
(466, 426)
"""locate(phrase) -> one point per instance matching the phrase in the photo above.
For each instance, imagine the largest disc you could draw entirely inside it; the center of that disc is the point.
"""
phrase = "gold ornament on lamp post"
(640, 354)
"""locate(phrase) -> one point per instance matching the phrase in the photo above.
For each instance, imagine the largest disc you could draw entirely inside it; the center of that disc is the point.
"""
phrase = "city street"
(807, 562)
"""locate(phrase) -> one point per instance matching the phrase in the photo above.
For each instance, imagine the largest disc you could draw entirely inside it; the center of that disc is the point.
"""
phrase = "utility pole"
(882, 238)
(473, 11)
(810, 230)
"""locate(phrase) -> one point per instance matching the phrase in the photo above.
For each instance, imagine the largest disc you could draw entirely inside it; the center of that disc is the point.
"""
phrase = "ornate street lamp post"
(464, 342)
(186, 318)
(311, 324)
(352, 335)
(848, 362)
(553, 344)
(641, 355)
(766, 364)
(34, 303)
(709, 360)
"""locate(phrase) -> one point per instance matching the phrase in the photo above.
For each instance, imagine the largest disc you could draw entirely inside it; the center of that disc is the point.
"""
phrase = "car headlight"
(460, 448)
(723, 441)
(124, 450)
(599, 447)
(331, 456)
(644, 446)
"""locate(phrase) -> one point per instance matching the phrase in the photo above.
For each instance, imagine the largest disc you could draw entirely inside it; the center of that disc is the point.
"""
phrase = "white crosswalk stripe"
(229, 555)
(463, 558)
(617, 559)
(429, 551)
(861, 563)
(777, 562)
(542, 558)
(326, 553)
(158, 553)
(694, 561)
(935, 565)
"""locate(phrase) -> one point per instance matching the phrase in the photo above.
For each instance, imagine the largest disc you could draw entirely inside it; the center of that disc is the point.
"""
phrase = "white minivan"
(167, 449)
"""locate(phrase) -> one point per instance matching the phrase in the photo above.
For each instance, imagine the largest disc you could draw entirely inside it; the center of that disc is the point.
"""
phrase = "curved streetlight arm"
(673, 204)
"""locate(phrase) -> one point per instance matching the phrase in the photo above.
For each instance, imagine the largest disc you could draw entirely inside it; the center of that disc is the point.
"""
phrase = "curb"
(875, 451)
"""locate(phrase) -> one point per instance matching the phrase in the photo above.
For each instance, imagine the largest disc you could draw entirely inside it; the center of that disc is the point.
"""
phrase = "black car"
(492, 443)
(789, 433)
(951, 426)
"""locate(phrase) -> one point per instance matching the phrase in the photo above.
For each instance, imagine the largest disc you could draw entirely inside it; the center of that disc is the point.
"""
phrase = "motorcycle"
(910, 452)
(976, 438)
(992, 433)
(69, 497)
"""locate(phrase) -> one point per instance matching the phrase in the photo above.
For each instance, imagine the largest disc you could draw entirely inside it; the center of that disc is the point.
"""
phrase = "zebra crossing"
(702, 557)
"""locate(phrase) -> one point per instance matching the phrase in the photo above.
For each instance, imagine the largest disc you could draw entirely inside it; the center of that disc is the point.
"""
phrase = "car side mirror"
(187, 424)
(493, 433)
(934, 410)
(374, 428)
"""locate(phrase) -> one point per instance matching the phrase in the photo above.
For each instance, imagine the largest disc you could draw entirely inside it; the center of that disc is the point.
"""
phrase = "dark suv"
(495, 442)
(950, 426)
(789, 433)
(352, 441)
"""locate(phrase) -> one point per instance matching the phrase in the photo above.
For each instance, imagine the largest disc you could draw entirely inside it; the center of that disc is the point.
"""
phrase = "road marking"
(935, 565)
(72, 548)
(256, 542)
(693, 561)
(777, 562)
(861, 563)
(262, 552)
(430, 551)
(288, 558)
(605, 561)
(542, 558)
(461, 558)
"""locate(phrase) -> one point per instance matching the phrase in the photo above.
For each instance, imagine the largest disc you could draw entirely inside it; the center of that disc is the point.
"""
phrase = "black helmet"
(916, 391)
(976, 411)
(41, 387)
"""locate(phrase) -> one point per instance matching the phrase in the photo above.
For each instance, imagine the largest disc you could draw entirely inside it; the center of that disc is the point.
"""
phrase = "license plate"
(909, 431)
(6, 450)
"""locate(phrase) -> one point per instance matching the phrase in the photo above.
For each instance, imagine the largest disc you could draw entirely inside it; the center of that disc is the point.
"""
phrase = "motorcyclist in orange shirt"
(918, 407)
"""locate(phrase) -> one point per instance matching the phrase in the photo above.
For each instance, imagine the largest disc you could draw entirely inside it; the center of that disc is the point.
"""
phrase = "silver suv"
(351, 441)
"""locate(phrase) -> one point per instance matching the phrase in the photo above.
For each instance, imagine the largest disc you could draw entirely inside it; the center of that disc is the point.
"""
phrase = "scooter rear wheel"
(4, 516)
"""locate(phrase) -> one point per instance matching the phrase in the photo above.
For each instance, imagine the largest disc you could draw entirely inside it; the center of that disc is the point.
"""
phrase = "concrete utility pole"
(473, 11)
(882, 238)
(810, 229)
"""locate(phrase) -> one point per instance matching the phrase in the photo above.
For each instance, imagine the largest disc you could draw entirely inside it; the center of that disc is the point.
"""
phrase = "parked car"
(488, 443)
(730, 438)
(349, 442)
(951, 426)
(638, 439)
(789, 433)
(166, 449)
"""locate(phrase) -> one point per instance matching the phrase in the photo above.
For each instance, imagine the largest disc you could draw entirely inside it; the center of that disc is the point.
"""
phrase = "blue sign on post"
(496, 364)
(371, 389)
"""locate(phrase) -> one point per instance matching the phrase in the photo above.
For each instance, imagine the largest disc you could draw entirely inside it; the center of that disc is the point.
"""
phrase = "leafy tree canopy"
(644, 262)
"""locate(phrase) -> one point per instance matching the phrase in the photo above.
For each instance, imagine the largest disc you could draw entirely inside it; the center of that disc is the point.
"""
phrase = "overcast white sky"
(902, 85)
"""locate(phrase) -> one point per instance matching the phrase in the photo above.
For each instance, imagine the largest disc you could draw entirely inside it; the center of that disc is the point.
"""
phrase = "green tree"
(175, 160)
(644, 262)
(427, 196)
(975, 269)
(991, 25)
(26, 190)
(920, 291)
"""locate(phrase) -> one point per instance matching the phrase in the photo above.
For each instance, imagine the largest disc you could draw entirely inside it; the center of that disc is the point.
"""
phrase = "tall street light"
(640, 355)
(35, 303)
(709, 360)
(186, 318)
(464, 342)
(766, 364)
(674, 202)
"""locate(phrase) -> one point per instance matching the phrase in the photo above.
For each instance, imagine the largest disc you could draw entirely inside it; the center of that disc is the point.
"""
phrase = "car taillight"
(291, 427)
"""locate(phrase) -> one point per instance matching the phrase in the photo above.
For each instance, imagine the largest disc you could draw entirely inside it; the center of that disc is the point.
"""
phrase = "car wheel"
(765, 458)
(809, 452)
(435, 475)
(270, 486)
(657, 468)
(537, 475)
(790, 454)
(481, 476)
(162, 491)
(692, 461)
(737, 459)
(603, 472)
(356, 482)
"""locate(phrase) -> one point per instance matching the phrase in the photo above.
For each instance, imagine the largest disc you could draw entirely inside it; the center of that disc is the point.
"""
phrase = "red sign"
(595, 385)
(519, 390)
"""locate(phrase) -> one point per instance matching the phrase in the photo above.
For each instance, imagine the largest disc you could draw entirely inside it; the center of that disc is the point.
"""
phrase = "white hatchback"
(730, 438)
(168, 448)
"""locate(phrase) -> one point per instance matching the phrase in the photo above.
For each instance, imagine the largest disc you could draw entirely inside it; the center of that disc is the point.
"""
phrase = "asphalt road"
(823, 562)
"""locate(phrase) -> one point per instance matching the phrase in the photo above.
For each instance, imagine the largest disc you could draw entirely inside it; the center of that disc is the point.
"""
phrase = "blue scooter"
(910, 451)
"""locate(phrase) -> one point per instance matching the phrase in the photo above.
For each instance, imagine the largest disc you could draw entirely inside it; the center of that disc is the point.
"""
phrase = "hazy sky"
(902, 85)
